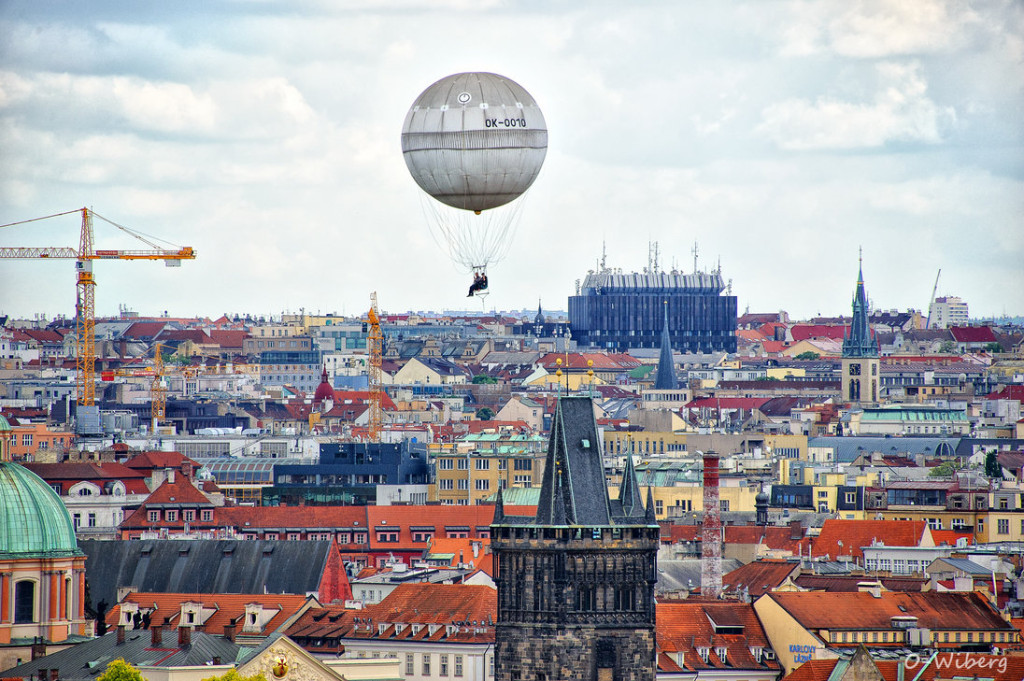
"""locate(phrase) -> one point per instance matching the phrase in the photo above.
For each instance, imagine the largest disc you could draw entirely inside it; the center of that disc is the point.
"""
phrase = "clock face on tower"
(855, 370)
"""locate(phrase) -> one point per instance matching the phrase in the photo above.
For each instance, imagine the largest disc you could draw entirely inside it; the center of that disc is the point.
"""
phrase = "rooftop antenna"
(694, 257)
(604, 255)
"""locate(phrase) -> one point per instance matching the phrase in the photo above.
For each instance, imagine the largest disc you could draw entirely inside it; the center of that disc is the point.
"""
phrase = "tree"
(119, 670)
(484, 378)
(944, 470)
(808, 354)
(485, 413)
(993, 347)
(992, 467)
(233, 675)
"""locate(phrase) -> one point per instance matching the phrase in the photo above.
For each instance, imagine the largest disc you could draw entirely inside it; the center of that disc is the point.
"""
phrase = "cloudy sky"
(778, 136)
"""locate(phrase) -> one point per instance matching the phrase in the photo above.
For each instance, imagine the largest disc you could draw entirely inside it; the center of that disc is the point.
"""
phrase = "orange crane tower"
(85, 307)
(375, 347)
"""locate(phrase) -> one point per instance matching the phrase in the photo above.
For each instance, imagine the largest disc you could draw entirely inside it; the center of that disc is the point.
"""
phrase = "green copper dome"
(33, 520)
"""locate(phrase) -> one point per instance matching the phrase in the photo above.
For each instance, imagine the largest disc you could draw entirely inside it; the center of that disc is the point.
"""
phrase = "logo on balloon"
(464, 97)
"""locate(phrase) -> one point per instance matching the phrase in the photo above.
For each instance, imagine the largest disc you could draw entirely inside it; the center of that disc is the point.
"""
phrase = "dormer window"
(704, 653)
(381, 628)
(722, 652)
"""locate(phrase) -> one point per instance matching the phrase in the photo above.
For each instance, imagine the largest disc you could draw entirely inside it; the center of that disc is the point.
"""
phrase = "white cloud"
(900, 111)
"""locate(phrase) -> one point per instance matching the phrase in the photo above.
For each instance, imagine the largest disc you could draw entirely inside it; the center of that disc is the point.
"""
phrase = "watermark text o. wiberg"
(960, 662)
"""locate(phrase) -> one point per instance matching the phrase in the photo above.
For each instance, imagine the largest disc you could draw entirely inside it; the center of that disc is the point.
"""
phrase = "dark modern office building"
(621, 311)
(348, 473)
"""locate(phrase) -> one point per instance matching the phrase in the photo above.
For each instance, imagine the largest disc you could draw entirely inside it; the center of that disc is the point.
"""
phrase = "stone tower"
(576, 582)
(860, 352)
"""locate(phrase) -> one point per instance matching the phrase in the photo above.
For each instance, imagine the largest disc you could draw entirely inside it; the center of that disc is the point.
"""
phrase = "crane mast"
(931, 301)
(375, 346)
(85, 302)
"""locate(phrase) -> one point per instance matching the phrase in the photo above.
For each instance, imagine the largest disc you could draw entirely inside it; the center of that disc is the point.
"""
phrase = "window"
(171, 515)
(188, 516)
(724, 504)
(458, 665)
(153, 516)
(851, 497)
(92, 520)
(463, 464)
(490, 665)
(24, 602)
(483, 464)
(293, 536)
(484, 485)
(444, 665)
(344, 537)
(76, 519)
(207, 515)
(425, 665)
(409, 664)
(422, 537)
(659, 507)
(446, 484)
(271, 536)
(1003, 526)
(444, 464)
(387, 537)
(26, 440)
(523, 465)
(464, 484)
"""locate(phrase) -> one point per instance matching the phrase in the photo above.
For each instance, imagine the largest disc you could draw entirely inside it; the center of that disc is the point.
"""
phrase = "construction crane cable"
(141, 236)
(45, 217)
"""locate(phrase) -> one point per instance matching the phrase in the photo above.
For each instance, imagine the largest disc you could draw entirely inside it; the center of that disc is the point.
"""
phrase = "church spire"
(629, 492)
(859, 343)
(665, 379)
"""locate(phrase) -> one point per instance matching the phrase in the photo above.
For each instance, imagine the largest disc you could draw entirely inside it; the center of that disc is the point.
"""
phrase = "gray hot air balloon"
(475, 142)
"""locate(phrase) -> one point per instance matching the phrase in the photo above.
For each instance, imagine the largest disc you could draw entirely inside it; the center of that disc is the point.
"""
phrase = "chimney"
(170, 475)
(184, 637)
(229, 630)
(157, 638)
(38, 648)
(216, 659)
(54, 675)
(120, 634)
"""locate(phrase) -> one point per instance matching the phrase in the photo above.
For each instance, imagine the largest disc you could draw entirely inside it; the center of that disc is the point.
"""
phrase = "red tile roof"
(857, 533)
(944, 666)
(807, 331)
(838, 610)
(459, 613)
(217, 609)
(972, 334)
(760, 576)
(685, 626)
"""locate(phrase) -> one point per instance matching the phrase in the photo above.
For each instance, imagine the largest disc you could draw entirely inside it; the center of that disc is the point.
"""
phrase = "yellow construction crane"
(85, 307)
(375, 347)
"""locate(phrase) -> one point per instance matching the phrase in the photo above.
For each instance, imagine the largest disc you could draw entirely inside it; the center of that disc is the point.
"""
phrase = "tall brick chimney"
(156, 635)
(184, 636)
(229, 630)
(120, 634)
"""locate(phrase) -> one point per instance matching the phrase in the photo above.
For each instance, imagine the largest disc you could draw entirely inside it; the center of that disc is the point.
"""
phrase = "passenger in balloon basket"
(479, 283)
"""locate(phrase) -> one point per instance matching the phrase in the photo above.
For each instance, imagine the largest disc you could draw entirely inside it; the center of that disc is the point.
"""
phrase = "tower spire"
(665, 379)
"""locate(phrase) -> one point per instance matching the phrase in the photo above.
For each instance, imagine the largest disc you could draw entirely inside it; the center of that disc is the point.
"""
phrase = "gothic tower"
(576, 582)
(860, 352)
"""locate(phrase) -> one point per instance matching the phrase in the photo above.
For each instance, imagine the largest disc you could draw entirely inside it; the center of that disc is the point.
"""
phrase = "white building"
(948, 311)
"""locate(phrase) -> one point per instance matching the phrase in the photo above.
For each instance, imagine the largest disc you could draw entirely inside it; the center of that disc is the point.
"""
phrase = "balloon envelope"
(474, 140)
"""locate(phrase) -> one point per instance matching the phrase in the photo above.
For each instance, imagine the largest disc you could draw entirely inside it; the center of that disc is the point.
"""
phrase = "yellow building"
(486, 463)
(644, 443)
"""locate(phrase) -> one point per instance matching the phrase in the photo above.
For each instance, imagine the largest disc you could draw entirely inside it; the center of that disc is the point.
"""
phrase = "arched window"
(24, 602)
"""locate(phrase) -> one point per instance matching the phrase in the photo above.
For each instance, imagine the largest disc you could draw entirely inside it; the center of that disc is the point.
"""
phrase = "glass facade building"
(622, 311)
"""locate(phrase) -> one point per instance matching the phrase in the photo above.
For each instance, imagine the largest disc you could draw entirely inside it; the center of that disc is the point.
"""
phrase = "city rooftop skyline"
(780, 138)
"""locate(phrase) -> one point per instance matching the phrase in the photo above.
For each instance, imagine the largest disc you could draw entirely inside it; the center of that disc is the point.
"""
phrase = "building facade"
(576, 581)
(622, 311)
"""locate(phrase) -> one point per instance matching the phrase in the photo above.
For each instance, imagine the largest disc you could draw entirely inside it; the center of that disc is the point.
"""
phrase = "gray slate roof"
(89, 660)
(203, 566)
